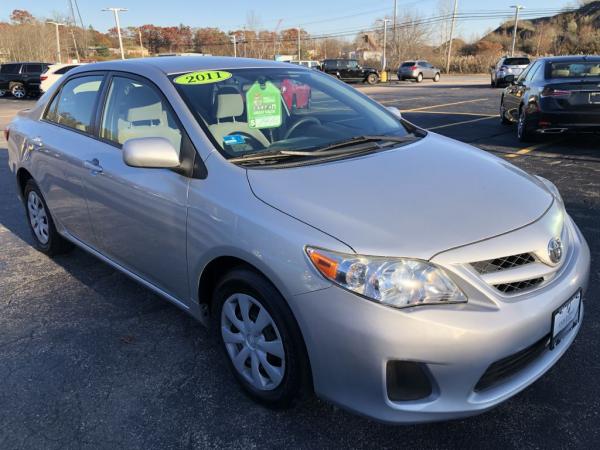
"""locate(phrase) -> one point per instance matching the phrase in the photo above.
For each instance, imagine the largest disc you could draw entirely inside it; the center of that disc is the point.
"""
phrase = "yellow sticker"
(204, 77)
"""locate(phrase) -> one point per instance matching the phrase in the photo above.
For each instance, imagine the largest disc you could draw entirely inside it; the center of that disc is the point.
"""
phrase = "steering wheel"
(301, 122)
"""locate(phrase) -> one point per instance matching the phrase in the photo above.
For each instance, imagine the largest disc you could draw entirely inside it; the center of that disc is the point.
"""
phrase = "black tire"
(419, 78)
(18, 91)
(493, 84)
(524, 133)
(296, 379)
(503, 119)
(55, 244)
(2, 92)
(436, 77)
(372, 79)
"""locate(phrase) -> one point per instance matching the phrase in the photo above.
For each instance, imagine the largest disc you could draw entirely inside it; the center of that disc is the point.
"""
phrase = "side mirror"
(150, 152)
(509, 79)
(395, 111)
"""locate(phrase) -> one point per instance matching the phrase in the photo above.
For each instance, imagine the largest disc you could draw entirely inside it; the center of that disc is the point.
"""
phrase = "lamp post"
(384, 59)
(514, 40)
(116, 12)
(57, 24)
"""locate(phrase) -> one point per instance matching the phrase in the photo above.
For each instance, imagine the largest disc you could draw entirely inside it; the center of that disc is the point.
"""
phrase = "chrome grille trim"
(504, 263)
(519, 286)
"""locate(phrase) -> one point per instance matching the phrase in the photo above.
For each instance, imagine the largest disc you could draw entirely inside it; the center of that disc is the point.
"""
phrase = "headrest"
(595, 70)
(229, 105)
(143, 113)
(561, 73)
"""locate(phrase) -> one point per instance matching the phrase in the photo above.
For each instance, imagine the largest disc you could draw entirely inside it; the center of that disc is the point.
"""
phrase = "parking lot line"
(462, 122)
(451, 113)
(531, 148)
(400, 100)
(447, 104)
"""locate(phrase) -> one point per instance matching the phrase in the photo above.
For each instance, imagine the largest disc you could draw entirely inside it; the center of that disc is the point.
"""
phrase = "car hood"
(412, 201)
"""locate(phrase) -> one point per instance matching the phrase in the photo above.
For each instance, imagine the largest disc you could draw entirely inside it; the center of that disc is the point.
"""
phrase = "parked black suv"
(21, 79)
(350, 70)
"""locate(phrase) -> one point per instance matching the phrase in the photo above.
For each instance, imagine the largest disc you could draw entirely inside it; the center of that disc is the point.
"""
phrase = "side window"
(352, 64)
(63, 70)
(539, 74)
(524, 74)
(74, 105)
(10, 68)
(134, 110)
(33, 68)
(532, 72)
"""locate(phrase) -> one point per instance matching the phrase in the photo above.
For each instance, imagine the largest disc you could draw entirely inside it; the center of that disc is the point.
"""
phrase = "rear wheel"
(261, 338)
(372, 78)
(524, 133)
(46, 238)
(18, 91)
(419, 78)
(493, 83)
(2, 92)
(436, 78)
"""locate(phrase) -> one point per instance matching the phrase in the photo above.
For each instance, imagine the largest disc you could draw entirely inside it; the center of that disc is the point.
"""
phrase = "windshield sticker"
(233, 139)
(204, 77)
(263, 102)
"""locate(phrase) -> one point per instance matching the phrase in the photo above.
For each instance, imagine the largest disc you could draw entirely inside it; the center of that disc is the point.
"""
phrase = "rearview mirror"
(395, 111)
(509, 79)
(150, 152)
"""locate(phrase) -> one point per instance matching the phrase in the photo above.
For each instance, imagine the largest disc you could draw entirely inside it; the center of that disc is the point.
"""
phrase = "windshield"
(254, 111)
(575, 69)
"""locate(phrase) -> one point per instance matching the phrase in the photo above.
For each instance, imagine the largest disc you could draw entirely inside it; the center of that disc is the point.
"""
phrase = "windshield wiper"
(334, 149)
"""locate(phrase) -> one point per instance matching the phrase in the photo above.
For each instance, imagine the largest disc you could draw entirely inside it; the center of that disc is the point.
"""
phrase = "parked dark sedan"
(554, 95)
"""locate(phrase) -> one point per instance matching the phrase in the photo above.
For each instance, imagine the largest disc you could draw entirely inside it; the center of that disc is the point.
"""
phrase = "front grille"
(504, 263)
(518, 286)
(505, 367)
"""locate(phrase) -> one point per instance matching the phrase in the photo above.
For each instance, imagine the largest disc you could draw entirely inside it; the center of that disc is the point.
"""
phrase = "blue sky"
(316, 16)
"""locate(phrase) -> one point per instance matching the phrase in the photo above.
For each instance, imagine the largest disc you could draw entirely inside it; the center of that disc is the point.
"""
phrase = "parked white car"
(53, 73)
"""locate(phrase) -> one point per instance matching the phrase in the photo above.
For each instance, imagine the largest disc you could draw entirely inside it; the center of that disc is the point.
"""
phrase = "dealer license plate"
(565, 318)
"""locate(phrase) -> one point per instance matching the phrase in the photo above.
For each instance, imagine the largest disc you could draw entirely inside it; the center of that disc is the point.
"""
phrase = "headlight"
(396, 282)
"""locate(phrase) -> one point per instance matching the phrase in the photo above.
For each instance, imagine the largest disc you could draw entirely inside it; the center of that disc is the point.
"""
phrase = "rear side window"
(516, 61)
(10, 68)
(34, 68)
(73, 107)
(64, 70)
(135, 110)
(408, 64)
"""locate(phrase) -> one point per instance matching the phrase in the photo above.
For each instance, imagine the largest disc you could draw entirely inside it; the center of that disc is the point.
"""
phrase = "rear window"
(574, 69)
(408, 64)
(10, 68)
(34, 68)
(516, 61)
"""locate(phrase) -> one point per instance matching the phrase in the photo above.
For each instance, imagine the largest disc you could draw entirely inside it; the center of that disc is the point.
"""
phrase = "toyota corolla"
(335, 247)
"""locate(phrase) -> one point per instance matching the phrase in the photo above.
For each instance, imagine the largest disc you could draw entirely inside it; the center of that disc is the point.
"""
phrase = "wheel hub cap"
(253, 341)
(38, 217)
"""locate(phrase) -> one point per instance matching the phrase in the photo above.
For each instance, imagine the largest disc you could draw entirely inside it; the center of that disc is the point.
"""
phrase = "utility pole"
(116, 12)
(449, 55)
(394, 31)
(75, 45)
(514, 40)
(57, 24)
(141, 43)
(298, 43)
(384, 59)
(234, 45)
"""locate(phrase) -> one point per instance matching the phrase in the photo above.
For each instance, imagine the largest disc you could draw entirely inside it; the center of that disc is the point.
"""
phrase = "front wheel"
(372, 78)
(419, 78)
(18, 91)
(46, 238)
(261, 338)
(436, 78)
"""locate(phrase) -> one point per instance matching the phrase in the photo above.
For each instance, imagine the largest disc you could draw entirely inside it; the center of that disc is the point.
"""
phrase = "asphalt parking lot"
(90, 359)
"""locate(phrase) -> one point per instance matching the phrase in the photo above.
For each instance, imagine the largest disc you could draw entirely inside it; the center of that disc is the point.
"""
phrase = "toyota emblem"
(555, 250)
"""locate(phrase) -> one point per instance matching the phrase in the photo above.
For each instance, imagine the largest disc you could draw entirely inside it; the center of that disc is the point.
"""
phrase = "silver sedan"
(330, 244)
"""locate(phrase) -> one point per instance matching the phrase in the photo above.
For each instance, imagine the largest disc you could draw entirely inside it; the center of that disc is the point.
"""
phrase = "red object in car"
(295, 95)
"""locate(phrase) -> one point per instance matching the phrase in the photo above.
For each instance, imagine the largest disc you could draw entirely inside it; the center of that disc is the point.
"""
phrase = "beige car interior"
(231, 106)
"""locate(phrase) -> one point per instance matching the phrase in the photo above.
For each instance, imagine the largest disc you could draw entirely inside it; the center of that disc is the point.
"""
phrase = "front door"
(139, 214)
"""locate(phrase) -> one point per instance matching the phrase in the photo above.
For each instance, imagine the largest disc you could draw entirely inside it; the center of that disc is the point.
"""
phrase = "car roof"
(589, 58)
(181, 64)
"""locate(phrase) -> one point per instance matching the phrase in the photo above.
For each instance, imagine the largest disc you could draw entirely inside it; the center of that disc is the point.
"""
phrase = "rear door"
(139, 214)
(59, 146)
(31, 75)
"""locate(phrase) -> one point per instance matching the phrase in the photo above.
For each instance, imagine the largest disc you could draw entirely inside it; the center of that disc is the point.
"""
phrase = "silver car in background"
(418, 71)
(339, 248)
(508, 66)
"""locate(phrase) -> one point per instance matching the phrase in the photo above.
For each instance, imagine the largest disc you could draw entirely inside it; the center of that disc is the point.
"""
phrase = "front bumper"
(350, 341)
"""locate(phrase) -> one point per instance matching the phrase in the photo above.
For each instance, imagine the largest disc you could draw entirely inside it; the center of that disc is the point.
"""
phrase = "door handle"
(93, 166)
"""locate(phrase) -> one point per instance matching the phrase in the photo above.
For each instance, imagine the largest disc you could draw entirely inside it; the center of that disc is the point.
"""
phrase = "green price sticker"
(263, 103)
(204, 77)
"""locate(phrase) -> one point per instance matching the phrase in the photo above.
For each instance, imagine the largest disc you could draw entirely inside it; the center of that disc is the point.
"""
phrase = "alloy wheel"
(253, 342)
(38, 218)
(18, 92)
